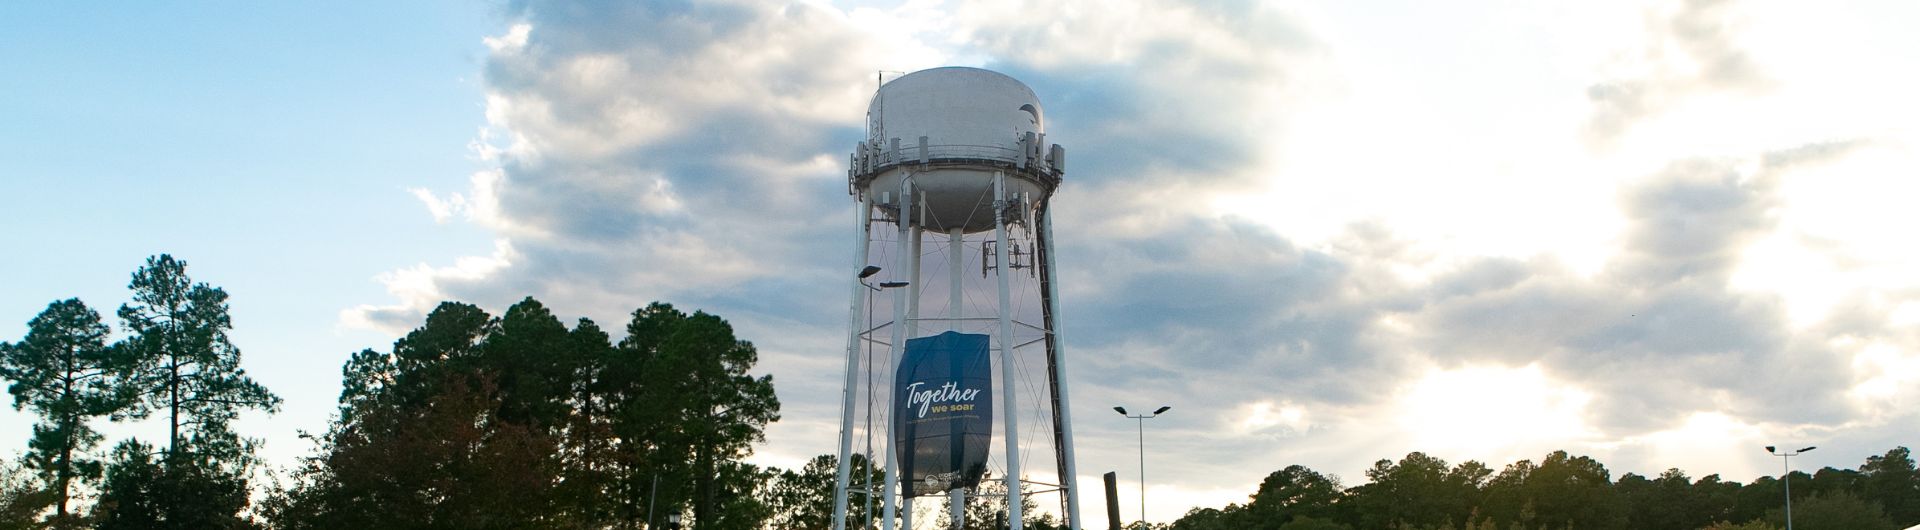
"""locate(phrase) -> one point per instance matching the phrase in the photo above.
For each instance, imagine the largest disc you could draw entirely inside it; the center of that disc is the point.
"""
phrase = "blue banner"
(943, 412)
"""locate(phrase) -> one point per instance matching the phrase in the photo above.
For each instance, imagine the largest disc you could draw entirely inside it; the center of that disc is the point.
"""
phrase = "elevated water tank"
(950, 130)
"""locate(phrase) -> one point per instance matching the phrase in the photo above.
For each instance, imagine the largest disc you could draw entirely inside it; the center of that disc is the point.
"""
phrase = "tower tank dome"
(949, 130)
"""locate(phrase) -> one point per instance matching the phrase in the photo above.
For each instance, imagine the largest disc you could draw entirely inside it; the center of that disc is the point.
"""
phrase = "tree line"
(521, 421)
(470, 421)
(518, 421)
(1562, 491)
(175, 361)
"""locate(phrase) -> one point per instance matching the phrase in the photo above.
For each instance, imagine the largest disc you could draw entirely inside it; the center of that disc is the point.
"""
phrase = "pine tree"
(180, 362)
(61, 370)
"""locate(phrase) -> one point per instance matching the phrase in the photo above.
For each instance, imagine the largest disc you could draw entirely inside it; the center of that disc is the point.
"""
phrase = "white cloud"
(1344, 240)
(512, 41)
(421, 287)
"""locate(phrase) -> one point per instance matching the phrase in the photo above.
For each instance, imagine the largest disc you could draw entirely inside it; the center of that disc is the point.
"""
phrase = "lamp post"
(1141, 424)
(846, 432)
(1786, 476)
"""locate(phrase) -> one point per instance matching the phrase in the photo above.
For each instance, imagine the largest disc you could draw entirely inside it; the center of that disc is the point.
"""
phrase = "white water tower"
(961, 155)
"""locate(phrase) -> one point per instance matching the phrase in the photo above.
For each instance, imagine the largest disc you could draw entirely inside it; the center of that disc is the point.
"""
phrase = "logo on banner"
(947, 398)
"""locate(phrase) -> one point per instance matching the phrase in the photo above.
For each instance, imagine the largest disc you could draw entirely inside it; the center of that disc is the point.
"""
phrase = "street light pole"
(1140, 423)
(1786, 476)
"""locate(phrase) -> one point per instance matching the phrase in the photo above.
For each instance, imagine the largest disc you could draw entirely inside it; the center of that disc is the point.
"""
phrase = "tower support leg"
(1010, 410)
(1062, 413)
(863, 235)
(901, 263)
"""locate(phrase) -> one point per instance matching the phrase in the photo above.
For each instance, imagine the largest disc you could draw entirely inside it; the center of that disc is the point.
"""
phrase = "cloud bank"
(693, 152)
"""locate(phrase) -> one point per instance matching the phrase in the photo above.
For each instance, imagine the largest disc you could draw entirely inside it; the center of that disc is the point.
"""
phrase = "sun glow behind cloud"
(1491, 410)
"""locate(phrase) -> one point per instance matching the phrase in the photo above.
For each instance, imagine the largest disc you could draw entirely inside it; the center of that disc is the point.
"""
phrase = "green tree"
(424, 438)
(1310, 523)
(986, 509)
(1232, 517)
(1575, 491)
(21, 501)
(588, 453)
(687, 406)
(1749, 525)
(529, 355)
(180, 360)
(143, 493)
(1562, 491)
(1718, 499)
(1831, 480)
(1419, 491)
(1669, 502)
(61, 370)
(449, 464)
(1291, 493)
(803, 500)
(1837, 511)
(1892, 481)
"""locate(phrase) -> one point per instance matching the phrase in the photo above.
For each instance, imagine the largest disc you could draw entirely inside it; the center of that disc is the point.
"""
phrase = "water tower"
(955, 168)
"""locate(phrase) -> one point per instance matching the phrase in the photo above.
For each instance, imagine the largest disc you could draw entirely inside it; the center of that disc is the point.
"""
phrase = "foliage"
(1310, 523)
(1833, 511)
(520, 422)
(1892, 481)
(61, 370)
(1418, 491)
(21, 501)
(180, 360)
(142, 492)
(1292, 493)
(986, 509)
(1749, 525)
(803, 500)
(1671, 502)
(1563, 491)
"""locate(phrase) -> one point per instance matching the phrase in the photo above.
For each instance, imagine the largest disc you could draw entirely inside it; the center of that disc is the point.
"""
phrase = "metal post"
(1141, 425)
(863, 226)
(1140, 422)
(1010, 410)
(957, 508)
(650, 496)
(957, 499)
(1786, 477)
(889, 511)
(1072, 480)
(955, 246)
(912, 321)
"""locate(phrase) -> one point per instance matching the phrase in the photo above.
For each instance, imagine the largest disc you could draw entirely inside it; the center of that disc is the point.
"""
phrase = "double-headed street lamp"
(1786, 476)
(1141, 423)
(842, 480)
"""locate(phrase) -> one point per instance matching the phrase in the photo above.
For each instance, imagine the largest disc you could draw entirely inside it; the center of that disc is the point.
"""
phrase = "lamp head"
(1808, 448)
(890, 285)
(1770, 449)
(673, 518)
(1121, 410)
(1162, 409)
(869, 271)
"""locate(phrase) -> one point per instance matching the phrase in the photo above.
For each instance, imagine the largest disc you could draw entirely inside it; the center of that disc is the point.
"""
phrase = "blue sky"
(1660, 233)
(270, 146)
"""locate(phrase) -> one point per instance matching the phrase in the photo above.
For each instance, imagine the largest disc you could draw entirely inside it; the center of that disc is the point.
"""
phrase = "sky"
(1662, 234)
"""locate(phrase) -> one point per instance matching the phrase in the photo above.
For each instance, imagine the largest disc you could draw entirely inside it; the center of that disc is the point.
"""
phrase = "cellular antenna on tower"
(961, 153)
